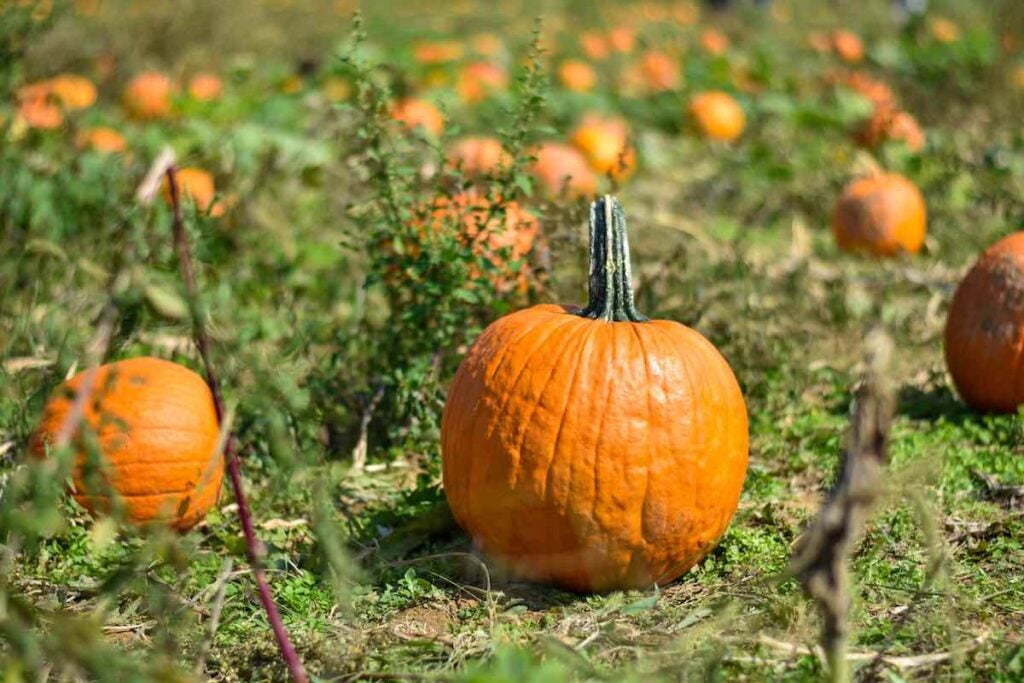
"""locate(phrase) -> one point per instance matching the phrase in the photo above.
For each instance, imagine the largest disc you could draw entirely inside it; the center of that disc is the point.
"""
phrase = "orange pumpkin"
(577, 76)
(717, 115)
(478, 156)
(594, 46)
(414, 113)
(197, 185)
(205, 87)
(156, 429)
(605, 143)
(102, 139)
(888, 123)
(479, 80)
(593, 448)
(436, 52)
(714, 42)
(944, 30)
(487, 44)
(148, 96)
(879, 93)
(37, 106)
(660, 71)
(73, 92)
(848, 46)
(882, 214)
(561, 168)
(622, 39)
(984, 339)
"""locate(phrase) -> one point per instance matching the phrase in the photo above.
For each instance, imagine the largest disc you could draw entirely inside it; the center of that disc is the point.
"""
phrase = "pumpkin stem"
(611, 286)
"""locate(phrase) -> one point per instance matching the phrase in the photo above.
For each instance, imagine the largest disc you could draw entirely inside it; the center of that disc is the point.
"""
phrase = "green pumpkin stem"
(611, 286)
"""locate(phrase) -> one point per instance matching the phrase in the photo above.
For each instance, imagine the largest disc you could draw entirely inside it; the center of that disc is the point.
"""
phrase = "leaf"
(165, 303)
(46, 248)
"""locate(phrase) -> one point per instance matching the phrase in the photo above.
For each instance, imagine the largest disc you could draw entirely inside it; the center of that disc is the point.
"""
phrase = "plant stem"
(202, 341)
(611, 282)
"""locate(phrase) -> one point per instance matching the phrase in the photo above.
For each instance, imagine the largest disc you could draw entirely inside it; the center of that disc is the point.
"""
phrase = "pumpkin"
(576, 75)
(714, 42)
(605, 143)
(479, 80)
(559, 168)
(622, 39)
(416, 114)
(984, 338)
(156, 429)
(197, 185)
(594, 46)
(436, 52)
(890, 124)
(882, 213)
(102, 139)
(848, 46)
(37, 106)
(148, 96)
(879, 93)
(944, 30)
(487, 44)
(660, 71)
(717, 115)
(73, 92)
(593, 448)
(478, 156)
(205, 87)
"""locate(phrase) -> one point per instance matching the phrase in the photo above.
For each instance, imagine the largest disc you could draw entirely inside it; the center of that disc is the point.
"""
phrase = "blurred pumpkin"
(714, 42)
(717, 115)
(487, 45)
(576, 75)
(102, 139)
(73, 92)
(594, 46)
(437, 52)
(196, 185)
(156, 430)
(564, 455)
(605, 143)
(890, 124)
(660, 71)
(848, 46)
(622, 39)
(478, 155)
(685, 13)
(38, 107)
(479, 80)
(882, 214)
(984, 337)
(944, 30)
(561, 168)
(148, 96)
(205, 87)
(414, 113)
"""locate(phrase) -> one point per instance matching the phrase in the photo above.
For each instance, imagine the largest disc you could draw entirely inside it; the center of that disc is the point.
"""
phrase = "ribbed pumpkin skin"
(883, 214)
(157, 428)
(591, 454)
(984, 340)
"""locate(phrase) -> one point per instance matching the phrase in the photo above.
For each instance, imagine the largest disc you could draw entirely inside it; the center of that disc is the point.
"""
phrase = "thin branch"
(822, 556)
(253, 546)
(220, 589)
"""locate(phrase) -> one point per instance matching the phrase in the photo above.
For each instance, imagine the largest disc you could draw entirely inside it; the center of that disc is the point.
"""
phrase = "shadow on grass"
(933, 403)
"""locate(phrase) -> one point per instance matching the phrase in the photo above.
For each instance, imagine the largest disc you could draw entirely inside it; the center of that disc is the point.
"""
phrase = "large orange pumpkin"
(156, 428)
(478, 155)
(562, 168)
(882, 214)
(605, 143)
(148, 96)
(593, 448)
(717, 115)
(984, 338)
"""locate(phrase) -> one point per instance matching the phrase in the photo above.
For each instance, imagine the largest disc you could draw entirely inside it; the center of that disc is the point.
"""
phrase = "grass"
(373, 579)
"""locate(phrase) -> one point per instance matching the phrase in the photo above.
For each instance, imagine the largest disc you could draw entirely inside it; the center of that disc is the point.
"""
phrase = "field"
(339, 290)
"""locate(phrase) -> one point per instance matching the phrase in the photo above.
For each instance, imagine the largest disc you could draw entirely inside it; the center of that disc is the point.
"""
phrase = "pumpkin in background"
(487, 44)
(593, 448)
(660, 71)
(102, 139)
(878, 92)
(148, 96)
(717, 115)
(479, 80)
(714, 42)
(605, 143)
(432, 52)
(576, 75)
(944, 30)
(984, 338)
(882, 214)
(156, 428)
(197, 185)
(37, 106)
(73, 92)
(478, 156)
(205, 87)
(890, 124)
(414, 113)
(559, 168)
(848, 46)
(594, 46)
(622, 39)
